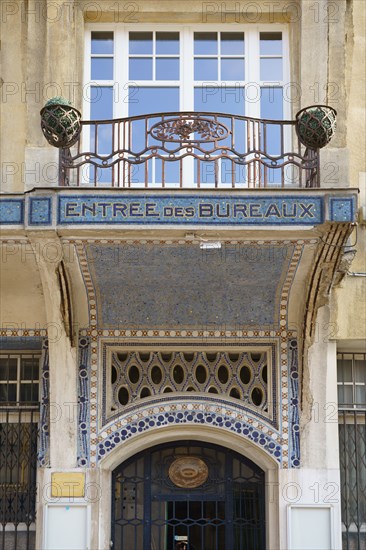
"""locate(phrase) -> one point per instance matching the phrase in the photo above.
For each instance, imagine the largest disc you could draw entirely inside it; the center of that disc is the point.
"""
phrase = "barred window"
(352, 447)
(19, 379)
(19, 418)
(351, 380)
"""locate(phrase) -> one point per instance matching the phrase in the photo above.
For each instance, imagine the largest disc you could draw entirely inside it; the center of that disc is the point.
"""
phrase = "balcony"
(189, 150)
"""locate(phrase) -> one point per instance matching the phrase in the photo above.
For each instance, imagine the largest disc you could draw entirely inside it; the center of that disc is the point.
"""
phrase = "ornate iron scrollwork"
(180, 129)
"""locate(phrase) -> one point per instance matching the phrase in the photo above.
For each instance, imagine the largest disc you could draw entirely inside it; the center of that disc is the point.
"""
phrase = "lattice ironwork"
(61, 125)
(352, 446)
(225, 511)
(242, 376)
(316, 125)
(351, 369)
(18, 466)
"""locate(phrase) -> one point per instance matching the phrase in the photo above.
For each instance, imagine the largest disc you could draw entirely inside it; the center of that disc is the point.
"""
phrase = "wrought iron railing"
(189, 150)
(352, 448)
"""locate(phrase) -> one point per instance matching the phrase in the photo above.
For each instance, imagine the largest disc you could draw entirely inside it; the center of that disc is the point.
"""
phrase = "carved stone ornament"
(188, 472)
(180, 129)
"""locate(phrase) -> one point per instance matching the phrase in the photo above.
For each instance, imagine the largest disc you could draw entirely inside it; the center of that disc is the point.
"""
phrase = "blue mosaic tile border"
(40, 211)
(44, 436)
(160, 209)
(180, 416)
(294, 418)
(28, 343)
(84, 402)
(11, 211)
(342, 209)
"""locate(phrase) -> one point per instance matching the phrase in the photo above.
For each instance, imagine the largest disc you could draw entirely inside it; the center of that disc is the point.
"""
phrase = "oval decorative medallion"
(188, 472)
(179, 129)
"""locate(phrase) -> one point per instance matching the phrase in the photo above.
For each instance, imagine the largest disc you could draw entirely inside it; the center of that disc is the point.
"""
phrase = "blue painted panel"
(11, 211)
(189, 209)
(40, 211)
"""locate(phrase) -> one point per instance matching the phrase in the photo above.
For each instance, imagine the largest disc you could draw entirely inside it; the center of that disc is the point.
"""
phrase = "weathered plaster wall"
(348, 306)
(21, 293)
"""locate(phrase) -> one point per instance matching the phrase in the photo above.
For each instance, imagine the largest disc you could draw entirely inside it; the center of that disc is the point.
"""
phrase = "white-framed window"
(351, 368)
(143, 69)
(132, 70)
(19, 378)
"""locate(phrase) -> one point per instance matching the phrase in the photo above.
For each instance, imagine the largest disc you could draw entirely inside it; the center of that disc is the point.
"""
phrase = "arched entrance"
(188, 495)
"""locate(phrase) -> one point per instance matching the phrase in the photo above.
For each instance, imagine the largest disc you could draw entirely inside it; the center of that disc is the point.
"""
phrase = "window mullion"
(120, 107)
(252, 71)
(187, 70)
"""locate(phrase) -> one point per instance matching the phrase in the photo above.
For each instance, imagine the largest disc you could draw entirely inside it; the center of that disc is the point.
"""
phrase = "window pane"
(360, 371)
(29, 393)
(102, 68)
(344, 370)
(102, 42)
(232, 43)
(167, 68)
(8, 392)
(100, 175)
(271, 69)
(153, 100)
(232, 69)
(220, 99)
(205, 43)
(171, 171)
(141, 42)
(271, 103)
(101, 139)
(167, 42)
(140, 68)
(347, 395)
(230, 171)
(206, 171)
(29, 369)
(360, 395)
(270, 43)
(101, 98)
(205, 69)
(8, 369)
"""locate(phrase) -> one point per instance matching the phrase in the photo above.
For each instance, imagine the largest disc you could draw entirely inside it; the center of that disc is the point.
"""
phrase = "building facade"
(183, 292)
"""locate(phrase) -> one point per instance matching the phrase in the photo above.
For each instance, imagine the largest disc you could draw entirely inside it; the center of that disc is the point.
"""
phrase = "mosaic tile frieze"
(44, 435)
(161, 209)
(186, 287)
(294, 419)
(146, 208)
(200, 412)
(83, 402)
(233, 315)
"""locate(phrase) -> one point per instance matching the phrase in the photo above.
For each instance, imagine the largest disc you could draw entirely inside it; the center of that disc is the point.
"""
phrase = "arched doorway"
(188, 495)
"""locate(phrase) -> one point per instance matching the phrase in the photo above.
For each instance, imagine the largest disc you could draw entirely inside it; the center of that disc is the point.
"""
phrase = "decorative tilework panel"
(342, 209)
(40, 211)
(294, 419)
(183, 286)
(44, 436)
(181, 413)
(83, 402)
(11, 211)
(160, 209)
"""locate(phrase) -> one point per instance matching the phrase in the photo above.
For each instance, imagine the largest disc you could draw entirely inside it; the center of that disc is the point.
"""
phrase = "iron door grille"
(150, 512)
